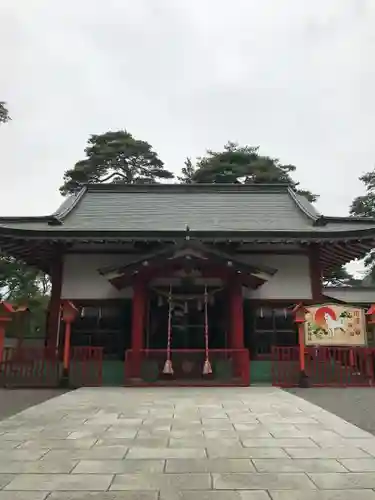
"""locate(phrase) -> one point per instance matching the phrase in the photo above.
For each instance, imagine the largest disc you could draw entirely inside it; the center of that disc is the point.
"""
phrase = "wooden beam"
(343, 254)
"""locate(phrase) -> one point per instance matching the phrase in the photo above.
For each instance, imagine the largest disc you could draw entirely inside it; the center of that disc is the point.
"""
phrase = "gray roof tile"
(174, 211)
(258, 208)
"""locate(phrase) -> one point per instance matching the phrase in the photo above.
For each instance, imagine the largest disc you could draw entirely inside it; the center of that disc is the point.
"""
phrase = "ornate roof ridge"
(194, 187)
(306, 207)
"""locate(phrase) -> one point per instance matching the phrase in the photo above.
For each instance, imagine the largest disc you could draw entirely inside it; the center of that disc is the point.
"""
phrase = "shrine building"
(183, 273)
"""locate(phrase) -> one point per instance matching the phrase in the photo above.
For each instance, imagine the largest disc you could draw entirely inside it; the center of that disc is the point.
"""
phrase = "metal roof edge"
(50, 220)
(26, 218)
(348, 219)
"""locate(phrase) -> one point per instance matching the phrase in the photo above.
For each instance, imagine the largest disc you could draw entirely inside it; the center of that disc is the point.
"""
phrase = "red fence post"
(67, 347)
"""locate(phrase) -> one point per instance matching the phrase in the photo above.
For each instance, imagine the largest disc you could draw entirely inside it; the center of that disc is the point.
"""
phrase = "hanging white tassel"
(199, 305)
(186, 308)
(207, 370)
(261, 315)
(168, 368)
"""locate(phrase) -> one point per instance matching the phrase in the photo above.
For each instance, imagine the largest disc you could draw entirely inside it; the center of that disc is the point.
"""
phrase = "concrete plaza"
(183, 444)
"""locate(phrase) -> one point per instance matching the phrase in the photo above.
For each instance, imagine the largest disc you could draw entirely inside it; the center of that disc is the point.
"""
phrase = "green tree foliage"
(340, 277)
(364, 206)
(237, 164)
(187, 172)
(4, 114)
(22, 285)
(118, 157)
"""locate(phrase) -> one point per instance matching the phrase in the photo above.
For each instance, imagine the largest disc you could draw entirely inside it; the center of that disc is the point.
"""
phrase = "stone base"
(303, 381)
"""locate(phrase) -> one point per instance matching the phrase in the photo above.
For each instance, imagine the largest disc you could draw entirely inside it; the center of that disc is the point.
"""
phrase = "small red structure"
(6, 311)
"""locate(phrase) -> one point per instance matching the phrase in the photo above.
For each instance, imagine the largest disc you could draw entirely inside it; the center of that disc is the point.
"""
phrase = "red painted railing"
(28, 353)
(229, 366)
(324, 366)
(285, 366)
(42, 367)
(29, 367)
(86, 366)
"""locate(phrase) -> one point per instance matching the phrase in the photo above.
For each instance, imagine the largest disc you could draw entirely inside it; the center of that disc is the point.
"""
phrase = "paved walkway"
(354, 404)
(14, 400)
(183, 444)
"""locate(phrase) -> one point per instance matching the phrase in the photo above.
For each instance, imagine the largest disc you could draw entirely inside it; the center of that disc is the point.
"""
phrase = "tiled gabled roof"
(204, 208)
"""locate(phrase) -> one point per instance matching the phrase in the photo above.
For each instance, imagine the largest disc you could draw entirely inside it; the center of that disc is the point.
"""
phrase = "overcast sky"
(296, 77)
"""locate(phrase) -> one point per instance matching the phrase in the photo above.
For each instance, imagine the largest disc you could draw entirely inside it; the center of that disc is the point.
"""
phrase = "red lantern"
(299, 312)
(371, 313)
(69, 311)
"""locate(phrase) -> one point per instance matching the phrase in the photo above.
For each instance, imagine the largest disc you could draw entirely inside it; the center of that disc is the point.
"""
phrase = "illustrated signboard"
(333, 324)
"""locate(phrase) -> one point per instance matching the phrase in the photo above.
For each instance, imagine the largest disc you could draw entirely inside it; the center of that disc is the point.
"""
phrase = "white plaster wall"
(364, 295)
(292, 280)
(81, 279)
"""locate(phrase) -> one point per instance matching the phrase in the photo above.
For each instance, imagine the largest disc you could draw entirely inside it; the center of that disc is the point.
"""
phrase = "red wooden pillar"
(299, 318)
(138, 323)
(301, 342)
(236, 334)
(69, 313)
(68, 330)
(53, 321)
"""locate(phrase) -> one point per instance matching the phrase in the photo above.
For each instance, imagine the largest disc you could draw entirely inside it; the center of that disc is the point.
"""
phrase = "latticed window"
(106, 326)
(267, 327)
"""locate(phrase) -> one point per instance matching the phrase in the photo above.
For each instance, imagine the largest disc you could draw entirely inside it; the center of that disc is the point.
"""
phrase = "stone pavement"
(183, 444)
(12, 401)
